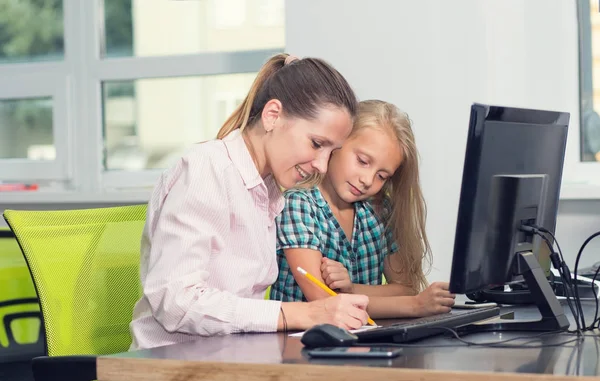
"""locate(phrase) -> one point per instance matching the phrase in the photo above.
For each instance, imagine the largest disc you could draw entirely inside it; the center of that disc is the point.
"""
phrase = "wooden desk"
(256, 357)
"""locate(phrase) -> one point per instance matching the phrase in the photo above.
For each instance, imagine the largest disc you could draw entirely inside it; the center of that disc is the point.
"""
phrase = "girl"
(367, 217)
(208, 246)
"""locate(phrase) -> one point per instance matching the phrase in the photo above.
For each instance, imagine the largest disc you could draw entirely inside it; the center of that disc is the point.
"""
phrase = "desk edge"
(147, 369)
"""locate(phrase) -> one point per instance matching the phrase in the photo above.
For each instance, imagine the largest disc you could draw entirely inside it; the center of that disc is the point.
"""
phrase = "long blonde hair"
(303, 86)
(401, 200)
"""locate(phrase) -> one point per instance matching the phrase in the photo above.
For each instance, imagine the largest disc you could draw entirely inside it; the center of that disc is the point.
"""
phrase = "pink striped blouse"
(208, 248)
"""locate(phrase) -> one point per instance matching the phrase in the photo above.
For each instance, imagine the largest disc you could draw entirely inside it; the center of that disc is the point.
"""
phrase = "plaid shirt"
(308, 222)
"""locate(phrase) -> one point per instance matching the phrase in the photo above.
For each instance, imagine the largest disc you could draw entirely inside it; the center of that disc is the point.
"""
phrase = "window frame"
(202, 64)
(36, 81)
(581, 180)
(75, 83)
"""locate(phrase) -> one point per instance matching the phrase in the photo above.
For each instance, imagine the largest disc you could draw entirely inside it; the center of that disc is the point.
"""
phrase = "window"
(168, 27)
(27, 129)
(101, 95)
(590, 83)
(581, 175)
(31, 30)
(33, 123)
(149, 123)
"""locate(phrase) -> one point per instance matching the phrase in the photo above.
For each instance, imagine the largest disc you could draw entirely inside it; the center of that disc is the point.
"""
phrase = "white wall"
(434, 58)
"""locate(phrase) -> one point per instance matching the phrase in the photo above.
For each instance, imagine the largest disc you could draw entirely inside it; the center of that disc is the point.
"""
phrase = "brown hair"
(303, 86)
(401, 198)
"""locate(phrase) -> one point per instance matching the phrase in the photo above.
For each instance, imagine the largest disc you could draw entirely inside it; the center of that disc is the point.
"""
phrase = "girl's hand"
(336, 276)
(435, 299)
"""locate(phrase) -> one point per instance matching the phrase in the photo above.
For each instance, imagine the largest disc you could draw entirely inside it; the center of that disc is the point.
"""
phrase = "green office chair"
(21, 336)
(85, 267)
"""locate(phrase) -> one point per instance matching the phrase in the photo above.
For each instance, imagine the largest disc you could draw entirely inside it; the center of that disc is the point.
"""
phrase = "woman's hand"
(344, 311)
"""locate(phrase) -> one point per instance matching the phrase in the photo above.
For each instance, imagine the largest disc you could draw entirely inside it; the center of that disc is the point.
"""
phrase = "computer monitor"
(511, 176)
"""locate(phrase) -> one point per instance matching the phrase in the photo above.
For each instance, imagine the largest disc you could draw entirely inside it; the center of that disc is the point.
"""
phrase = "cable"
(597, 354)
(590, 238)
(563, 271)
(570, 361)
(577, 299)
(574, 289)
(560, 252)
(596, 320)
(585, 243)
(566, 284)
(492, 344)
(502, 343)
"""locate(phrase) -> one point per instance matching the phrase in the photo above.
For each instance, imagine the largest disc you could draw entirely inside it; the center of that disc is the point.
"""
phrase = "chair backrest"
(20, 316)
(85, 268)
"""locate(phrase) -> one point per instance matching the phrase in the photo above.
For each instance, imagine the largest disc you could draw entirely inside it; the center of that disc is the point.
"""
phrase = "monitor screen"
(503, 141)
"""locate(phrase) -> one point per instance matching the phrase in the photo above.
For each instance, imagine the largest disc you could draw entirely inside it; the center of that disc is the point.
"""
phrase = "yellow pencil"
(323, 286)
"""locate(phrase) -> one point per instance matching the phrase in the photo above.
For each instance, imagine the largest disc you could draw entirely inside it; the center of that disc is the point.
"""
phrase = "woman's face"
(297, 148)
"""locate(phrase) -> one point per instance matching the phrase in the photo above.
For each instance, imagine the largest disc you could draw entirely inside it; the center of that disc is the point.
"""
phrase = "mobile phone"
(355, 352)
(470, 306)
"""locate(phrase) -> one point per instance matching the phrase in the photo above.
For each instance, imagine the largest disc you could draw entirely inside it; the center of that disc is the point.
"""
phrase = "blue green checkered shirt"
(307, 222)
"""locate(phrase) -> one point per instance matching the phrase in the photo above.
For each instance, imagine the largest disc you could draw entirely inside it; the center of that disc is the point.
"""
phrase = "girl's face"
(297, 148)
(366, 161)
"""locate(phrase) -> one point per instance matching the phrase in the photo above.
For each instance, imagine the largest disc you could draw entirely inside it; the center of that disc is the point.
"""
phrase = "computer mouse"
(327, 335)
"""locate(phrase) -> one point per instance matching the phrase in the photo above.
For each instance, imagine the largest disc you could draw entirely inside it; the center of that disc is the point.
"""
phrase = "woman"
(208, 247)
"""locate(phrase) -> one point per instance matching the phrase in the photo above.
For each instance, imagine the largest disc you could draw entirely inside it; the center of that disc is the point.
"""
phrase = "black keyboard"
(415, 329)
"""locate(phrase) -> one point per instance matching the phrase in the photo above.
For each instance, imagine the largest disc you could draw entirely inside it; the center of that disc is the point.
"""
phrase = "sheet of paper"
(363, 328)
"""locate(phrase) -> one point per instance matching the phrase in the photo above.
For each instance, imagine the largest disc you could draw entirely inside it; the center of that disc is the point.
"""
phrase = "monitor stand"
(553, 315)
